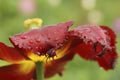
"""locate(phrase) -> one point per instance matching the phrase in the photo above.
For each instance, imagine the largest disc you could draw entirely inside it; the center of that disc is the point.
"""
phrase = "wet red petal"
(91, 33)
(57, 66)
(111, 34)
(95, 43)
(10, 54)
(108, 60)
(17, 72)
(85, 51)
(41, 40)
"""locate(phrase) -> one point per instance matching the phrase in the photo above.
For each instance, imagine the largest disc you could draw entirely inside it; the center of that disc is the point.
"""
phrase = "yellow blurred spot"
(95, 17)
(36, 57)
(54, 3)
(88, 4)
(33, 23)
(26, 66)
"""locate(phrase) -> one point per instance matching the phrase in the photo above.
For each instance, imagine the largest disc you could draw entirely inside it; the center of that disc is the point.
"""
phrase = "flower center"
(51, 54)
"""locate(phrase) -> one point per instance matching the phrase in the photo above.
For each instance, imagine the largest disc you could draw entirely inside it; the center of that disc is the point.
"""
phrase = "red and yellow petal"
(57, 66)
(95, 43)
(22, 71)
(10, 54)
(42, 39)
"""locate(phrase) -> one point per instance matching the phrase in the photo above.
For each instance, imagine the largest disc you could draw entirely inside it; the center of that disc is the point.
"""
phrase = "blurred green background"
(101, 12)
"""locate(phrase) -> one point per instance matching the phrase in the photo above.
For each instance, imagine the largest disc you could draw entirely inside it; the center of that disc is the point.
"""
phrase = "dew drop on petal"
(40, 48)
(56, 39)
(38, 53)
(31, 42)
(37, 40)
(36, 47)
(29, 47)
(60, 44)
(100, 39)
(23, 37)
(55, 32)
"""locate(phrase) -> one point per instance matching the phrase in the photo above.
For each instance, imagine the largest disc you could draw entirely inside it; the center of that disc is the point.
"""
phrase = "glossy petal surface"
(41, 40)
(22, 71)
(10, 54)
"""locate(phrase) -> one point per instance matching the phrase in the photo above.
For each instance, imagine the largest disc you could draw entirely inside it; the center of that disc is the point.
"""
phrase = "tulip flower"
(54, 46)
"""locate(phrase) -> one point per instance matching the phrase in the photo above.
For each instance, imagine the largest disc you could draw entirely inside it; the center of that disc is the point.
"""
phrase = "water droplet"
(40, 48)
(16, 43)
(67, 37)
(20, 45)
(60, 44)
(38, 53)
(23, 37)
(31, 42)
(38, 40)
(86, 41)
(56, 39)
(81, 32)
(91, 42)
(36, 47)
(29, 47)
(65, 40)
(100, 39)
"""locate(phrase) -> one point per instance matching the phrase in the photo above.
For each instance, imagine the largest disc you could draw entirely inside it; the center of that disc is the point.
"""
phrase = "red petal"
(111, 34)
(22, 71)
(107, 61)
(110, 57)
(91, 33)
(10, 54)
(41, 40)
(57, 66)
(86, 51)
(93, 43)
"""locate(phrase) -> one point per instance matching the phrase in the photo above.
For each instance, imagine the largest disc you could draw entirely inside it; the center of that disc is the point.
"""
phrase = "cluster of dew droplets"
(30, 42)
(104, 42)
(23, 37)
(21, 45)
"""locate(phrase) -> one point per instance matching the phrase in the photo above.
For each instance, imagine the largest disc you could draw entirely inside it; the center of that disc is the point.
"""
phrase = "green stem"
(39, 71)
